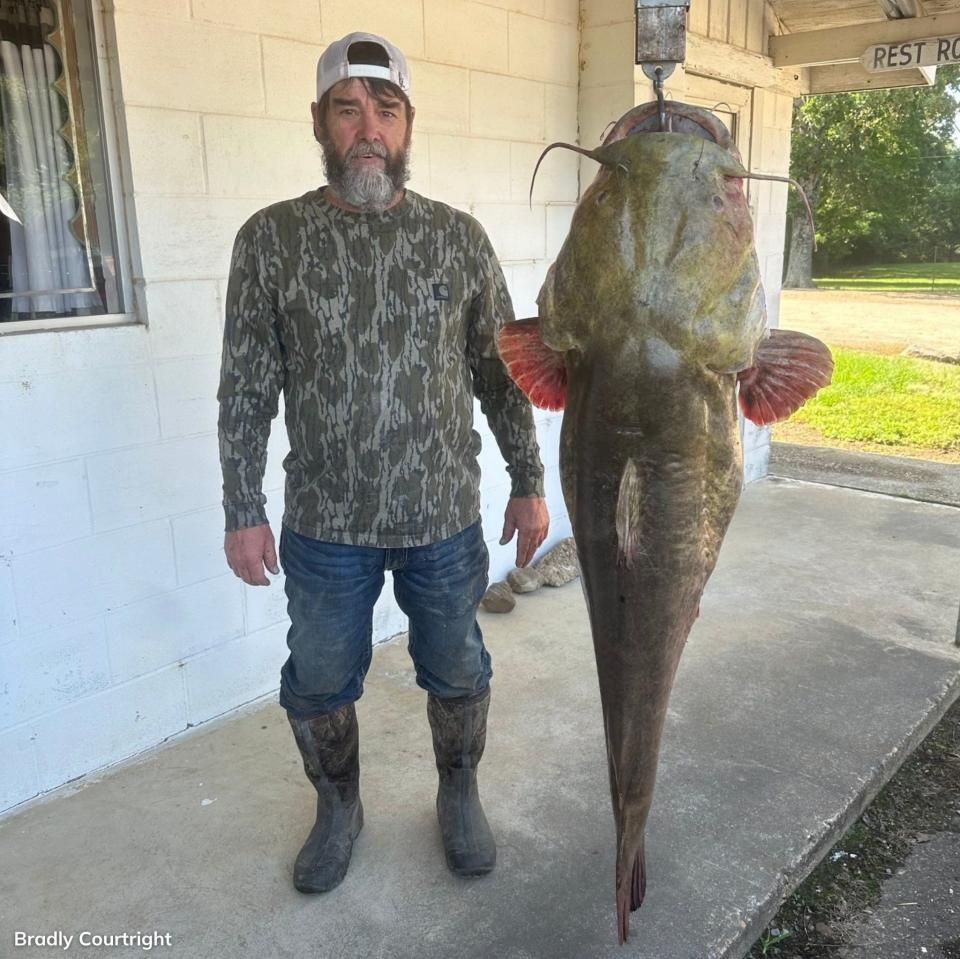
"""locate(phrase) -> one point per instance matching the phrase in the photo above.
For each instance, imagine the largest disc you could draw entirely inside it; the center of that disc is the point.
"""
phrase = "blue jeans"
(331, 590)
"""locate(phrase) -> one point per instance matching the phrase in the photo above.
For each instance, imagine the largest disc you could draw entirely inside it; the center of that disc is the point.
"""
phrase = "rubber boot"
(459, 728)
(329, 746)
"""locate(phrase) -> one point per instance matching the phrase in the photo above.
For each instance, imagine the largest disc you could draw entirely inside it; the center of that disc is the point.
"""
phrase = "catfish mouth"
(693, 121)
(681, 118)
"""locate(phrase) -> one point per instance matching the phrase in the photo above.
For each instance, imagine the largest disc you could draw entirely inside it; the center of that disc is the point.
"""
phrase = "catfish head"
(661, 245)
(660, 263)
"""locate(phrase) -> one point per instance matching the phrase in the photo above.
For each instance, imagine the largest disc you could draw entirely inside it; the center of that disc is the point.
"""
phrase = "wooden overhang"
(820, 42)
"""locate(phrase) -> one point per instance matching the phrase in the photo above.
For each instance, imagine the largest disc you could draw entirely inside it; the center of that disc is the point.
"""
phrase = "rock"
(824, 930)
(938, 356)
(524, 580)
(560, 564)
(498, 599)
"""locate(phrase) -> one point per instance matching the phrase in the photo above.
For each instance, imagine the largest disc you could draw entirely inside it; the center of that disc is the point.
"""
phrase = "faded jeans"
(331, 591)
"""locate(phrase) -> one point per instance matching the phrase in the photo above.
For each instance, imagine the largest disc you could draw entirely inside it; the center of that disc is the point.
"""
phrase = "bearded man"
(375, 311)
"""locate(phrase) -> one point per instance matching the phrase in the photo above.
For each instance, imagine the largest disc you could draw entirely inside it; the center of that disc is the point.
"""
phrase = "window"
(59, 263)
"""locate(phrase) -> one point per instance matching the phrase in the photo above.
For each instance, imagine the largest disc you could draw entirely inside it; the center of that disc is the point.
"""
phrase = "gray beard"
(366, 188)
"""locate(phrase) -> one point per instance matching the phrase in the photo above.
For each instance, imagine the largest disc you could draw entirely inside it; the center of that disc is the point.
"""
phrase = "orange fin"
(538, 370)
(788, 369)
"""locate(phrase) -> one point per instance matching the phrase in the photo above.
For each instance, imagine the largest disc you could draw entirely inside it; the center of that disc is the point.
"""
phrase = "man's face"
(365, 144)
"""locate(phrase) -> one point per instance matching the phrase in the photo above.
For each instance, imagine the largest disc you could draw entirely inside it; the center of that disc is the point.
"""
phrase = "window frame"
(117, 163)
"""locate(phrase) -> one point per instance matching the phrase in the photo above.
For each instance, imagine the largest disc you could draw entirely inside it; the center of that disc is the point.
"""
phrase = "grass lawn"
(891, 404)
(895, 277)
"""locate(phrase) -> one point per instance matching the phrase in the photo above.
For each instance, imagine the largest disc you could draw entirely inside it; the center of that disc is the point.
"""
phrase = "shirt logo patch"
(441, 291)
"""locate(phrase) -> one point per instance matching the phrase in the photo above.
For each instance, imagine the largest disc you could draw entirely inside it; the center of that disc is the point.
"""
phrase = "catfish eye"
(717, 202)
(602, 198)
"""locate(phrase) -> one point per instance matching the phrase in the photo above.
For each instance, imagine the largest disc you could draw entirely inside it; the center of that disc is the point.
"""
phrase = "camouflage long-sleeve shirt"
(379, 329)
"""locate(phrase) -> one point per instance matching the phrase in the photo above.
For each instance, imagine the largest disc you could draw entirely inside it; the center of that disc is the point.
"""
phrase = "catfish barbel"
(651, 322)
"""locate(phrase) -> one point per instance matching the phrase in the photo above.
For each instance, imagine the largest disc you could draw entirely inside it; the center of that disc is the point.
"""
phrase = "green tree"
(882, 171)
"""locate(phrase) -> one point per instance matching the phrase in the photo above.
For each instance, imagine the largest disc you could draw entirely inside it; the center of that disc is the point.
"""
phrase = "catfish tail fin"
(630, 895)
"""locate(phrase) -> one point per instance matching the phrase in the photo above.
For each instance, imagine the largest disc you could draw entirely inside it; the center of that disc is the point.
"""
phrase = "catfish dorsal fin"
(538, 370)
(628, 515)
(788, 369)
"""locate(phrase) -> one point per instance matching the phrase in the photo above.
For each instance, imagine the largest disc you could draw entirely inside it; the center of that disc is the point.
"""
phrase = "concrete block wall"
(770, 154)
(770, 150)
(119, 623)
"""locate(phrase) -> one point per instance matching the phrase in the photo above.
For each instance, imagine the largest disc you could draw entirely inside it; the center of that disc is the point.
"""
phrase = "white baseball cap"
(362, 55)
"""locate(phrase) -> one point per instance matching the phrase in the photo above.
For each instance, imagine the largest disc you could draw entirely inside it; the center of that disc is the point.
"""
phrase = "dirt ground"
(884, 323)
(841, 910)
(879, 322)
(803, 435)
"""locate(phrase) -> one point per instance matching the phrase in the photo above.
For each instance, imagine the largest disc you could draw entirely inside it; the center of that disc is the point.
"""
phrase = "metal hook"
(661, 106)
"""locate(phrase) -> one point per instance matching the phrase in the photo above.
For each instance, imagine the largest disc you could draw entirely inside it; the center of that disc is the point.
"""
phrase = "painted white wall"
(120, 624)
(770, 154)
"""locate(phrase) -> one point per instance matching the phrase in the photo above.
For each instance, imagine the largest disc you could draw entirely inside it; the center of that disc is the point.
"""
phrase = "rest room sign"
(930, 52)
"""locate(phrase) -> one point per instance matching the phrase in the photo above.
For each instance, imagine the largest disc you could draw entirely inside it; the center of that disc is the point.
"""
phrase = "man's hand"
(248, 550)
(528, 516)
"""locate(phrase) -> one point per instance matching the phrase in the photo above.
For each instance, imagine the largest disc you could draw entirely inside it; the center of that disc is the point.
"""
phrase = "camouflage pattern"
(379, 329)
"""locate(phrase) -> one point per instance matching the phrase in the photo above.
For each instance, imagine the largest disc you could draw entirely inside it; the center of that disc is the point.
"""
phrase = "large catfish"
(650, 318)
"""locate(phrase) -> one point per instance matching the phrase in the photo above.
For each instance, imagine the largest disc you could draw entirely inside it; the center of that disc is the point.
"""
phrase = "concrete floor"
(823, 654)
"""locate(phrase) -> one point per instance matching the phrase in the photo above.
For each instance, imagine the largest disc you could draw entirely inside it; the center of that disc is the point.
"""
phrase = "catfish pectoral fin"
(630, 894)
(537, 369)
(628, 515)
(788, 369)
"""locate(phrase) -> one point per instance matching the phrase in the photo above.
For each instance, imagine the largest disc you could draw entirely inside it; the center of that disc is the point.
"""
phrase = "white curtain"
(45, 253)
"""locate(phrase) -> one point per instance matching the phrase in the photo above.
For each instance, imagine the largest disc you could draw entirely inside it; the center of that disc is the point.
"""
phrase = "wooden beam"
(721, 61)
(897, 9)
(844, 77)
(846, 44)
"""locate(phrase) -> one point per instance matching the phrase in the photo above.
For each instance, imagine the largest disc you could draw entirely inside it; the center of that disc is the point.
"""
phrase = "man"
(376, 311)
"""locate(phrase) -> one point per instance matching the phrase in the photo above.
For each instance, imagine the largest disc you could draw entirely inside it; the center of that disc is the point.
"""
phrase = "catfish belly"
(651, 470)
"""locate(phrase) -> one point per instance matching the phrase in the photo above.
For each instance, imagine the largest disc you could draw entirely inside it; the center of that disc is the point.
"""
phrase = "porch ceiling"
(829, 36)
(800, 16)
